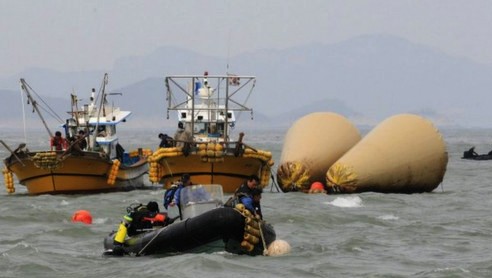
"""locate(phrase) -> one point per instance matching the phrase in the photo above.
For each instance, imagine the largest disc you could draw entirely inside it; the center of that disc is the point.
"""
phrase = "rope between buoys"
(265, 250)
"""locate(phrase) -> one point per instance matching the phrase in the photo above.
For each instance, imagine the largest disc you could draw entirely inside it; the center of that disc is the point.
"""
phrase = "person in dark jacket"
(244, 194)
(81, 139)
(139, 219)
(248, 186)
(146, 217)
(166, 141)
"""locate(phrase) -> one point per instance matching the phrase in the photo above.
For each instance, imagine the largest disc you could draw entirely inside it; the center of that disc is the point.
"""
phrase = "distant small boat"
(479, 157)
(102, 166)
(206, 107)
(472, 155)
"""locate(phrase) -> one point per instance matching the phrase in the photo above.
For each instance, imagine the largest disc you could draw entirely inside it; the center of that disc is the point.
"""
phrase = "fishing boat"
(205, 226)
(203, 146)
(100, 165)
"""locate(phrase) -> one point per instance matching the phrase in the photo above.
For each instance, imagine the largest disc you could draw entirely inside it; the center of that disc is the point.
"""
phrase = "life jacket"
(159, 219)
(169, 196)
(241, 191)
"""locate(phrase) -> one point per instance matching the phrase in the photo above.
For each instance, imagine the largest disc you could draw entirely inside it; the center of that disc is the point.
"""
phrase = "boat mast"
(101, 107)
(75, 112)
(226, 121)
(25, 88)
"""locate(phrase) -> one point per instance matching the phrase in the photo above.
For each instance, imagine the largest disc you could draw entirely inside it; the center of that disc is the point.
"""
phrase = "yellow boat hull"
(85, 173)
(230, 173)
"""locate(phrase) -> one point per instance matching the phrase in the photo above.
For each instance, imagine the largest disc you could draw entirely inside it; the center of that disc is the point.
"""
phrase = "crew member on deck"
(58, 143)
(82, 140)
(182, 136)
(166, 141)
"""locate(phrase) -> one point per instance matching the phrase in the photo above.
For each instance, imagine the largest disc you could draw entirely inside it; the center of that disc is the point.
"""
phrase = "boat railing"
(227, 94)
(229, 147)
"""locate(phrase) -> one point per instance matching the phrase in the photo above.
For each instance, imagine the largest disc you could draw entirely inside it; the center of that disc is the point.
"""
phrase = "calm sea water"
(445, 233)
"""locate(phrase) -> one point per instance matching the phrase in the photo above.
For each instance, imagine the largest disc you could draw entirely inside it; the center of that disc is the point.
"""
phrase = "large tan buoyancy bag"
(403, 154)
(312, 144)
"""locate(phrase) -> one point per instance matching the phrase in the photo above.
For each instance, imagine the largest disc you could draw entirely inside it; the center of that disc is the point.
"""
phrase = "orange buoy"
(317, 187)
(83, 216)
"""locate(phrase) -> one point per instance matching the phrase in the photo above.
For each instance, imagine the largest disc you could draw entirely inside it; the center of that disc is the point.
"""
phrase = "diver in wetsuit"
(139, 219)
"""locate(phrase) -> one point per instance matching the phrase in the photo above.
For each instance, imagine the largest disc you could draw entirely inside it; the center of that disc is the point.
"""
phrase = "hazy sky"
(91, 34)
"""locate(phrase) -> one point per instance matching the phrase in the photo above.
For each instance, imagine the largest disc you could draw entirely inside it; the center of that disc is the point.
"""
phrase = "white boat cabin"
(100, 125)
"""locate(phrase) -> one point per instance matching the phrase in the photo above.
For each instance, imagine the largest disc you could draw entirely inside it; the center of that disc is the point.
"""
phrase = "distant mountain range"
(365, 79)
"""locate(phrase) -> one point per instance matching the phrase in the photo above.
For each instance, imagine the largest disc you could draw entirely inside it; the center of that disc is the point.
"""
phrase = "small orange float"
(83, 216)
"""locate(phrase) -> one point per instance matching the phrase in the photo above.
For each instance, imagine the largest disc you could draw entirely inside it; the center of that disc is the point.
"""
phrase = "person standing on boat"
(81, 139)
(166, 141)
(182, 136)
(78, 143)
(58, 143)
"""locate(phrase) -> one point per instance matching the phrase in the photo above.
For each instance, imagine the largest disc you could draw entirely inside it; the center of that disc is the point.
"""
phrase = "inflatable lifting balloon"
(403, 154)
(312, 144)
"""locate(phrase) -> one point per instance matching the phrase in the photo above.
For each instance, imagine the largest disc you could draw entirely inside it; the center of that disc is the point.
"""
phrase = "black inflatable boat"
(233, 230)
(472, 155)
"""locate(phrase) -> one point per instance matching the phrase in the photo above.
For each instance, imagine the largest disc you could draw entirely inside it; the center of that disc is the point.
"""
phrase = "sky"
(92, 34)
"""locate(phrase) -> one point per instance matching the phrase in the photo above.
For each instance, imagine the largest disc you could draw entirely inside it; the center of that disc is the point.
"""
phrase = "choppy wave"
(347, 202)
(445, 233)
